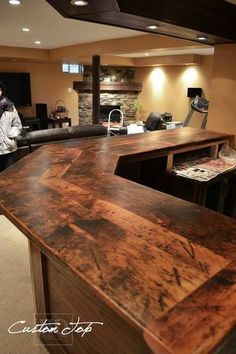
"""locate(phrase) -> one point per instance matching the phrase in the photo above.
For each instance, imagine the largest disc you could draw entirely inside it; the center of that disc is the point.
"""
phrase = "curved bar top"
(166, 266)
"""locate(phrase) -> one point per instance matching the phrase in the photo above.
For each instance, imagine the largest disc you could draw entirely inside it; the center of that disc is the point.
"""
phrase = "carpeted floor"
(16, 298)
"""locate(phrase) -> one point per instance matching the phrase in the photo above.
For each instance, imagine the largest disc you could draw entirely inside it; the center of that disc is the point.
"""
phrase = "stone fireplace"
(106, 109)
(118, 90)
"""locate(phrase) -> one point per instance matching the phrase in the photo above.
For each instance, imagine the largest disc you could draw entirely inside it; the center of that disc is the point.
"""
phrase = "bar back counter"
(139, 271)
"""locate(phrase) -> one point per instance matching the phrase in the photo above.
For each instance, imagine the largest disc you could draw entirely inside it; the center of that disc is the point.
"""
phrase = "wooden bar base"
(62, 298)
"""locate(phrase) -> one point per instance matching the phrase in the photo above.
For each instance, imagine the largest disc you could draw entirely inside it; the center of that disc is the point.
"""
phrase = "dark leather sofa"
(154, 121)
(30, 141)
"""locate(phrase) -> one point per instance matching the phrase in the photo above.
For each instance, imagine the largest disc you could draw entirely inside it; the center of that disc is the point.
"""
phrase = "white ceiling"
(49, 27)
(55, 31)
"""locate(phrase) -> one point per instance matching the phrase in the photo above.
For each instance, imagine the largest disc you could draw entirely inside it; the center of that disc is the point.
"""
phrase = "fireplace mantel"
(81, 86)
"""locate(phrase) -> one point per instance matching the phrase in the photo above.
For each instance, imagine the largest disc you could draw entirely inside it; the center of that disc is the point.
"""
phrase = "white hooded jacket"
(10, 128)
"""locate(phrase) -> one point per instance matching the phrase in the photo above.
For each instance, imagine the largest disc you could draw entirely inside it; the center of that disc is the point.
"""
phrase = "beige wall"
(165, 88)
(222, 114)
(48, 84)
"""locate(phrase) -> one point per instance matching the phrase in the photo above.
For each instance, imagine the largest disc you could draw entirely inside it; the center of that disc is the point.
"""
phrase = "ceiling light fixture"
(37, 42)
(146, 54)
(152, 27)
(201, 38)
(25, 29)
(14, 2)
(79, 2)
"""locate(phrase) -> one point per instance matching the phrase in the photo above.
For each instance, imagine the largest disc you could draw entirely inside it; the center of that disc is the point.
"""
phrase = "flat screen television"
(18, 88)
(194, 91)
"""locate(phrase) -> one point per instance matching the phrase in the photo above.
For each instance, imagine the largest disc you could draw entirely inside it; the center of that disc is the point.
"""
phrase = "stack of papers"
(202, 169)
(173, 124)
(135, 129)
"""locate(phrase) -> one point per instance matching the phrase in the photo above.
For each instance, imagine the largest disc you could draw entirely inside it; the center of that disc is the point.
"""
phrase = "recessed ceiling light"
(25, 29)
(152, 27)
(79, 2)
(37, 42)
(14, 2)
(201, 38)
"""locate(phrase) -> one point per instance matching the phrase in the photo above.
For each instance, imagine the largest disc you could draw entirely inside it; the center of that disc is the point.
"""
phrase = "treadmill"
(200, 105)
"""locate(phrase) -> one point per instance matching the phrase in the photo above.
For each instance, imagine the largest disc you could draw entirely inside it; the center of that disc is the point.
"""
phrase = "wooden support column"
(96, 88)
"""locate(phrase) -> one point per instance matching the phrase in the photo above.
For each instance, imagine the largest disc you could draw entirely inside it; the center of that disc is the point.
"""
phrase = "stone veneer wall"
(124, 99)
(117, 74)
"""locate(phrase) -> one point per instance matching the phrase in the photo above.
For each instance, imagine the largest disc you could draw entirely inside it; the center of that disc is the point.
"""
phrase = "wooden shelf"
(108, 86)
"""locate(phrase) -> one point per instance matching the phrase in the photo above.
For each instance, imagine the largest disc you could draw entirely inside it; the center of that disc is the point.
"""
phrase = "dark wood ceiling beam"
(214, 17)
(182, 19)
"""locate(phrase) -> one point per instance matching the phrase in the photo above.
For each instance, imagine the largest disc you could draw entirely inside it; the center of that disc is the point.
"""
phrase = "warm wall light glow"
(190, 75)
(158, 79)
(14, 2)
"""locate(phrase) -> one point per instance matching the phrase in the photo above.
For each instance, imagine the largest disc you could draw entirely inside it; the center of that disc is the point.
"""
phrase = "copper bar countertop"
(164, 264)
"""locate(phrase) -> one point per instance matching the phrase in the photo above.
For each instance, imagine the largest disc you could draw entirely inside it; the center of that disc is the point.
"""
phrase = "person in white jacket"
(10, 128)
